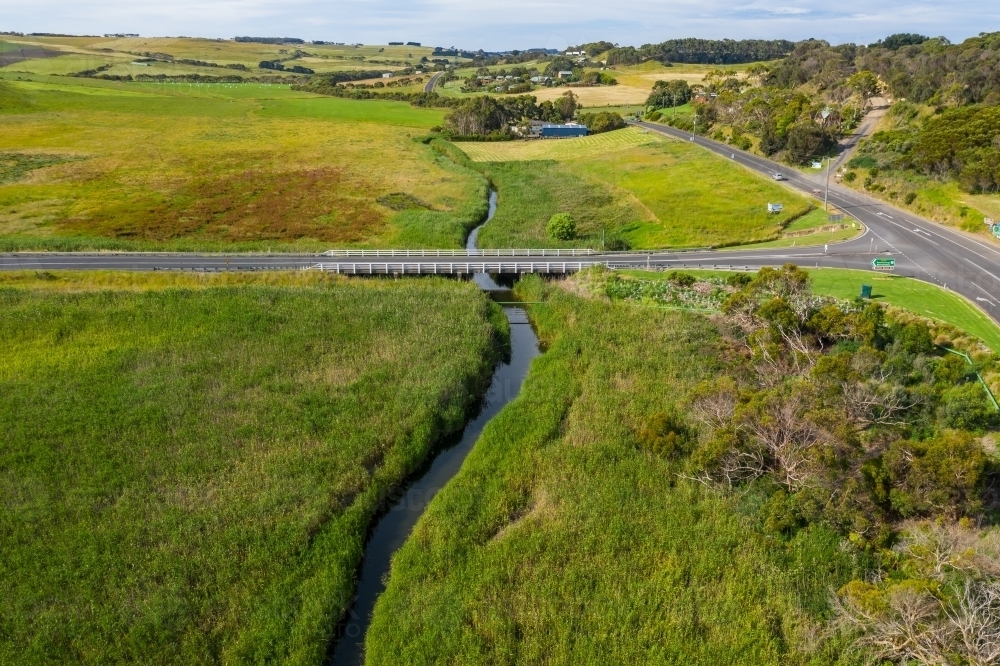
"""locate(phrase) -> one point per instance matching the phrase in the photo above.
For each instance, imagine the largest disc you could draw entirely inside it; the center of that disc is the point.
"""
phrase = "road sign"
(836, 217)
(866, 291)
(883, 264)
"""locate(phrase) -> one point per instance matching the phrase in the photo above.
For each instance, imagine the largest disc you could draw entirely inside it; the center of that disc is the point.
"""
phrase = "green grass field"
(653, 192)
(179, 166)
(562, 542)
(189, 466)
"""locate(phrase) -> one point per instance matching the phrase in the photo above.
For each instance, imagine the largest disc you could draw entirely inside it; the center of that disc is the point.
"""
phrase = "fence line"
(463, 253)
(452, 268)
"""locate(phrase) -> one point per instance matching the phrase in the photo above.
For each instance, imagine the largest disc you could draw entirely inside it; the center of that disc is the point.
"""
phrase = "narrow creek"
(393, 529)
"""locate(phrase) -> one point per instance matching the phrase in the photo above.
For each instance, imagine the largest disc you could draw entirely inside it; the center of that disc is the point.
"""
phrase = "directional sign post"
(883, 264)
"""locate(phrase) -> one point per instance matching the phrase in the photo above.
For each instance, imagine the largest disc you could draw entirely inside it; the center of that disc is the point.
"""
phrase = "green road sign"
(883, 263)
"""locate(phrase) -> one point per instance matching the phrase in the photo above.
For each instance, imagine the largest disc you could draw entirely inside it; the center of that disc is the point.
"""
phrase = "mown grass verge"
(562, 541)
(190, 465)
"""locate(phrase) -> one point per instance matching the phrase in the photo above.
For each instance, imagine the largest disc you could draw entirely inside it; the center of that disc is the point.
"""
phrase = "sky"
(508, 24)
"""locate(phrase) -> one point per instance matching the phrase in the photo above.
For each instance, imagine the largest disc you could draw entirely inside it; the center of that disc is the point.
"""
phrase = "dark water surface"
(393, 529)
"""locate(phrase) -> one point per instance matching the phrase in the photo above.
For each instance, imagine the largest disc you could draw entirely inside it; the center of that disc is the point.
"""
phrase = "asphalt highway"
(923, 250)
(429, 86)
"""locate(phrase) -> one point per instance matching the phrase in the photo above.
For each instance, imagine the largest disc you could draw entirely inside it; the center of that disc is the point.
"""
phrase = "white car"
(778, 176)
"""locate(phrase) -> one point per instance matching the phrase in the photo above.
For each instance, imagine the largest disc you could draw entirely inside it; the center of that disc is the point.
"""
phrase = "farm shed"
(556, 131)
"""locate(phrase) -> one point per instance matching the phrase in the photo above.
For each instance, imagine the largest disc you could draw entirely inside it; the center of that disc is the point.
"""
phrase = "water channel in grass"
(395, 526)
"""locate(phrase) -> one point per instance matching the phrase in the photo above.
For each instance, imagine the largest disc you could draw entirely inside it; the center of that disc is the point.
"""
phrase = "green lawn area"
(189, 465)
(922, 298)
(176, 166)
(919, 297)
(664, 193)
(562, 541)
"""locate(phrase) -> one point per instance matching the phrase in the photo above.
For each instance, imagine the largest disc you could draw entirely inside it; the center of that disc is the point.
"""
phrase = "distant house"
(541, 79)
(386, 75)
(565, 74)
(557, 131)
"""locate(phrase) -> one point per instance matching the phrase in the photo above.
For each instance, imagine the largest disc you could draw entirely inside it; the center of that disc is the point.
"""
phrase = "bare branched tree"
(974, 619)
(908, 630)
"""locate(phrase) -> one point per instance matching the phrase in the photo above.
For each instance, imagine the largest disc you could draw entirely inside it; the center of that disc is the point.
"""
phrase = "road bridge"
(924, 250)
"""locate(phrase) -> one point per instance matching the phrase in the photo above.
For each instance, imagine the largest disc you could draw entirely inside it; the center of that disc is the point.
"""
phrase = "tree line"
(702, 51)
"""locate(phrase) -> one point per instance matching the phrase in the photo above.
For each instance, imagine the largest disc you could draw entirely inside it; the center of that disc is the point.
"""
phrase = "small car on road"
(778, 176)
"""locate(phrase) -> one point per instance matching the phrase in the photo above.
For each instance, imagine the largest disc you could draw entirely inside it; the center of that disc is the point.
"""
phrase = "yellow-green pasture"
(223, 166)
(650, 191)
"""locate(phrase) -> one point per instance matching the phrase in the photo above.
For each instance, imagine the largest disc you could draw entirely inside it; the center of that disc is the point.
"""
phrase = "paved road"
(922, 249)
(429, 86)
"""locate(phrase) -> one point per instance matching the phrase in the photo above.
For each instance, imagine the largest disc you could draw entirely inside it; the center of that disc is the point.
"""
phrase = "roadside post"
(826, 198)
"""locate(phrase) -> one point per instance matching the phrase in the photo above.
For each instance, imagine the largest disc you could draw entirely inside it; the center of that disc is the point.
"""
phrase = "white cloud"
(504, 24)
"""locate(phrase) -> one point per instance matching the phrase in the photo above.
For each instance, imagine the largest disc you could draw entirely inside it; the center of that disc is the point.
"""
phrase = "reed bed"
(190, 464)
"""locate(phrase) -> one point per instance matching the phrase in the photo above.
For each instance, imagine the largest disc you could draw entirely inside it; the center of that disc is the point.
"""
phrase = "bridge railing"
(463, 253)
(451, 268)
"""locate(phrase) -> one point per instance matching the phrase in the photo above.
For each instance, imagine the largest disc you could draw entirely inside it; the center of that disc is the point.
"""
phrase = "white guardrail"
(452, 268)
(461, 253)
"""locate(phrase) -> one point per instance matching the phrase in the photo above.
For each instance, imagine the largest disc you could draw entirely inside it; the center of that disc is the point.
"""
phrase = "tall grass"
(189, 467)
(561, 541)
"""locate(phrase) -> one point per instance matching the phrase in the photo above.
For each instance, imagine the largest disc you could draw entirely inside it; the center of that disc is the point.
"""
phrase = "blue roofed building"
(557, 131)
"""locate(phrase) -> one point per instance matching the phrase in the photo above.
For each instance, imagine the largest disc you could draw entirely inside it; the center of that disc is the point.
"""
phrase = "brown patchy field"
(178, 166)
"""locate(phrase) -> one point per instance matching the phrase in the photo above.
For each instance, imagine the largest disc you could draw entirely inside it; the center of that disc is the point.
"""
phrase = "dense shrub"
(667, 94)
(605, 121)
(561, 226)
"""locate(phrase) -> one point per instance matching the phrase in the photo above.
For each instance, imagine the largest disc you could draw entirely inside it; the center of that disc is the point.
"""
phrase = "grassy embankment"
(189, 466)
(651, 191)
(177, 166)
(561, 541)
(921, 298)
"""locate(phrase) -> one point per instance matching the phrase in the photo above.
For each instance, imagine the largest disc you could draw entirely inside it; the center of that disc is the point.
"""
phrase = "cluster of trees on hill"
(960, 143)
(593, 48)
(270, 40)
(277, 65)
(800, 105)
(492, 117)
(917, 68)
(702, 51)
(667, 94)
